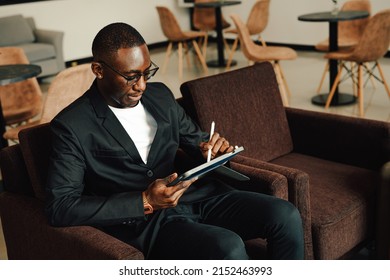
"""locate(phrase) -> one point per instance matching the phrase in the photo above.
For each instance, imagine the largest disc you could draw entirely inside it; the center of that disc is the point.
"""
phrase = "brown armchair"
(331, 162)
(26, 230)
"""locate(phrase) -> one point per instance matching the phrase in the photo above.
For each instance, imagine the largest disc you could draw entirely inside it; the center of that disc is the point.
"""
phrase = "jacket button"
(149, 173)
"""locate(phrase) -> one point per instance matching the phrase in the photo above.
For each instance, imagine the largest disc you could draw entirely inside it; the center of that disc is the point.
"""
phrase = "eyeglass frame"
(131, 80)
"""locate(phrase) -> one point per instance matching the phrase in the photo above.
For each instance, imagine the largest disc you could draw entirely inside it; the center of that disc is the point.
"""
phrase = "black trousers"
(217, 228)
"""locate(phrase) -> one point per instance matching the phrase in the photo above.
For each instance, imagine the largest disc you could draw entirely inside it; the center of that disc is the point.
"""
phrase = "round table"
(333, 19)
(13, 73)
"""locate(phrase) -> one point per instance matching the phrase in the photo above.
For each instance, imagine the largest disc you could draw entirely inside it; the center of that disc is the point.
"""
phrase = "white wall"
(82, 19)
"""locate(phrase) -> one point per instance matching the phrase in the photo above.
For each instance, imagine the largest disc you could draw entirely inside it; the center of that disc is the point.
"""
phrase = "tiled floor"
(303, 76)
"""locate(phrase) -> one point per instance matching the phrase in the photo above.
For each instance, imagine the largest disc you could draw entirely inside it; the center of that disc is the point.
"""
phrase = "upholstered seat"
(27, 233)
(332, 163)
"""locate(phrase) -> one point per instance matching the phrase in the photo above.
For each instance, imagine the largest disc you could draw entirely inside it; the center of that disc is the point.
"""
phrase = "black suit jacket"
(96, 175)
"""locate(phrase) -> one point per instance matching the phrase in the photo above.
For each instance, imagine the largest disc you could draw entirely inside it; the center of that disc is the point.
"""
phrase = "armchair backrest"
(243, 103)
(35, 143)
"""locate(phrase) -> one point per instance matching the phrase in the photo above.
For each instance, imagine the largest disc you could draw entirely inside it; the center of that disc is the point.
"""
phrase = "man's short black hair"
(113, 37)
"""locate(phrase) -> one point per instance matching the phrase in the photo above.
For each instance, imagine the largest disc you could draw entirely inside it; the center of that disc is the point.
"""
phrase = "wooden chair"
(203, 19)
(256, 23)
(175, 34)
(349, 32)
(68, 85)
(373, 45)
(256, 53)
(20, 101)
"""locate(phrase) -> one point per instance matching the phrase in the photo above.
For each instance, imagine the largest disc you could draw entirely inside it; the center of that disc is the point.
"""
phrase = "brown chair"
(203, 19)
(175, 34)
(256, 23)
(20, 101)
(256, 53)
(67, 86)
(372, 46)
(27, 233)
(383, 216)
(332, 163)
(349, 32)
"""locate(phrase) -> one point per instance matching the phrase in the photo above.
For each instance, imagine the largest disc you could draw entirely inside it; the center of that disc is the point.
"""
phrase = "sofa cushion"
(15, 30)
(341, 201)
(38, 51)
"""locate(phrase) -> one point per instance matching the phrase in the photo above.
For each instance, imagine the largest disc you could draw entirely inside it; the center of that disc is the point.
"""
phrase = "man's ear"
(97, 69)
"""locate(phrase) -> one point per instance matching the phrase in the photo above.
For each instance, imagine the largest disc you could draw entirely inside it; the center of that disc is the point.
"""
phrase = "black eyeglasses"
(131, 80)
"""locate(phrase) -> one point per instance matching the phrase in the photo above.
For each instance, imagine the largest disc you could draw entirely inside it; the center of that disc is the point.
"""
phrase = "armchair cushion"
(39, 51)
(15, 30)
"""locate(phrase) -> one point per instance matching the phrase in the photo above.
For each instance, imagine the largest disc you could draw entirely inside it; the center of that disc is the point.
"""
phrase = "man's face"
(119, 80)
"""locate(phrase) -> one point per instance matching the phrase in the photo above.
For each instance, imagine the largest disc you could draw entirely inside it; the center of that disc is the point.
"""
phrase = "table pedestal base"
(216, 63)
(341, 99)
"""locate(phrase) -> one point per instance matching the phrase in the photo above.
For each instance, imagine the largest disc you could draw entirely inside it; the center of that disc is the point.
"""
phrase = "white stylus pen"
(211, 135)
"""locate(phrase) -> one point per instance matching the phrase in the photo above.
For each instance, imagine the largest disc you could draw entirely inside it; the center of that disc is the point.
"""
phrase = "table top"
(13, 73)
(216, 4)
(328, 16)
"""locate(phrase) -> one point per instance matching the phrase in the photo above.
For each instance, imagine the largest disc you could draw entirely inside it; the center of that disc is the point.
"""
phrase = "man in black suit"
(113, 156)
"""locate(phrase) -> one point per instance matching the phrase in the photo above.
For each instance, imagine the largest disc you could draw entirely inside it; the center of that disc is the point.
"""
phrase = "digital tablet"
(206, 167)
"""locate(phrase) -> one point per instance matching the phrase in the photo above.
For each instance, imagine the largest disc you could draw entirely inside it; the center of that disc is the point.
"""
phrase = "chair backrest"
(66, 87)
(353, 29)
(375, 40)
(169, 24)
(35, 143)
(247, 45)
(204, 18)
(242, 103)
(20, 101)
(258, 17)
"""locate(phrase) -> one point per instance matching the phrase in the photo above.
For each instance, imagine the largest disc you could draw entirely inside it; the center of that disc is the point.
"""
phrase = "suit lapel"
(113, 126)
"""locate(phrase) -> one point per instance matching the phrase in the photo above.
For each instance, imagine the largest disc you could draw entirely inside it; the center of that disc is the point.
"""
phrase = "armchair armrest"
(29, 236)
(298, 191)
(360, 142)
(261, 180)
(54, 38)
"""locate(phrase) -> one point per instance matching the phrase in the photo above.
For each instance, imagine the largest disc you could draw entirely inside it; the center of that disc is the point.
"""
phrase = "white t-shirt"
(140, 125)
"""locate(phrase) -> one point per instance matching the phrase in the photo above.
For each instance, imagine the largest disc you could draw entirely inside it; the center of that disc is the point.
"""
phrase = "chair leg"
(200, 56)
(360, 90)
(186, 52)
(231, 53)
(167, 55)
(284, 80)
(180, 52)
(263, 43)
(323, 77)
(383, 78)
(280, 83)
(204, 46)
(333, 90)
(371, 77)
